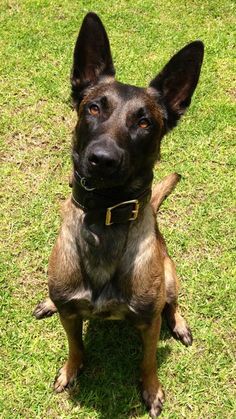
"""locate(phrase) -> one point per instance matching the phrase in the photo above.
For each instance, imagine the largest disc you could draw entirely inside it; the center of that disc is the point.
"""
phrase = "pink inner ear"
(177, 102)
(89, 74)
(178, 88)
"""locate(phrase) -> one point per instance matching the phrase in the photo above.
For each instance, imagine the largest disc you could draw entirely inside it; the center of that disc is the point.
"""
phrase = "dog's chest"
(101, 250)
(115, 273)
(106, 303)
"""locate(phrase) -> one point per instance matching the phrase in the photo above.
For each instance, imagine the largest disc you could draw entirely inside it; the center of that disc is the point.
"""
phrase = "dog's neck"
(119, 204)
(100, 243)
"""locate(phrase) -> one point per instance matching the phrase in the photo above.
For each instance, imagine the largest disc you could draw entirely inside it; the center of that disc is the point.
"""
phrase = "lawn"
(36, 42)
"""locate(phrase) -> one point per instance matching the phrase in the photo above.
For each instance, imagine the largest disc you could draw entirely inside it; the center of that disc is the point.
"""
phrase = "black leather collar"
(108, 204)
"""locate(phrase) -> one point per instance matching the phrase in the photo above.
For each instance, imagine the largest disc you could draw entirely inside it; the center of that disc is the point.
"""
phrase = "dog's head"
(120, 127)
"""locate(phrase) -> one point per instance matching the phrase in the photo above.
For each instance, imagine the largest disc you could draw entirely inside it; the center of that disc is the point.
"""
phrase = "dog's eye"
(94, 109)
(143, 123)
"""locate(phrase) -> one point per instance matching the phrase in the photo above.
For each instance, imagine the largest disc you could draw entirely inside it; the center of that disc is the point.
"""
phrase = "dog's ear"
(177, 81)
(92, 56)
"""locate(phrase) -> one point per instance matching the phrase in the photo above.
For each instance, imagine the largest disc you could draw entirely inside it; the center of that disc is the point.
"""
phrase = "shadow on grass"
(109, 382)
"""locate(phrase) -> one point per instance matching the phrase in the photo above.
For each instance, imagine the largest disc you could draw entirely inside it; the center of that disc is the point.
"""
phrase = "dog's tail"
(163, 189)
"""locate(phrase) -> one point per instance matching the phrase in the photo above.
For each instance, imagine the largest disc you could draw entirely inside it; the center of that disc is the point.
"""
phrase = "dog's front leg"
(67, 374)
(152, 392)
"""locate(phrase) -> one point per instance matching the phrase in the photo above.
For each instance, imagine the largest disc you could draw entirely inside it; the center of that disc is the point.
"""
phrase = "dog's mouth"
(83, 182)
(91, 176)
(90, 183)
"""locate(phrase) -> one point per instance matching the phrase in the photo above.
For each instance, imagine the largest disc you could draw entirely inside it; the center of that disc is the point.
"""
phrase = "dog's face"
(120, 127)
(118, 134)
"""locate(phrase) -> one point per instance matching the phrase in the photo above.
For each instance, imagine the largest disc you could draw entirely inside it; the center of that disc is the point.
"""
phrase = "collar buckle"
(135, 211)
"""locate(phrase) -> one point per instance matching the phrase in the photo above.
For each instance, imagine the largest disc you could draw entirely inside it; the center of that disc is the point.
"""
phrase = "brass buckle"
(135, 211)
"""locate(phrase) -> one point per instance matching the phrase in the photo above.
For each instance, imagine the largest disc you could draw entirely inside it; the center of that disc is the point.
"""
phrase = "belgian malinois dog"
(110, 260)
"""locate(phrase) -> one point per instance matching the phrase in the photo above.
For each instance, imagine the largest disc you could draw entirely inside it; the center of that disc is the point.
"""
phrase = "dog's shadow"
(109, 382)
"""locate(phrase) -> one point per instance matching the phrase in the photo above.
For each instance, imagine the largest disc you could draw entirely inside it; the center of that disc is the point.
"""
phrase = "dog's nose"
(100, 159)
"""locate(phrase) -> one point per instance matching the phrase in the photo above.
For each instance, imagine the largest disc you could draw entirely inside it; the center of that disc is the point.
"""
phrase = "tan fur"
(147, 269)
(163, 189)
(64, 253)
(118, 269)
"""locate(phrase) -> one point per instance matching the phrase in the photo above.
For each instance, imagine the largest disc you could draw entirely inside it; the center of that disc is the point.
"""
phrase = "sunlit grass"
(37, 39)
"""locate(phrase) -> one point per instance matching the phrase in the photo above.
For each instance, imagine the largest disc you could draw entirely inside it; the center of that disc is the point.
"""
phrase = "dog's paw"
(154, 401)
(44, 309)
(64, 379)
(182, 332)
(66, 376)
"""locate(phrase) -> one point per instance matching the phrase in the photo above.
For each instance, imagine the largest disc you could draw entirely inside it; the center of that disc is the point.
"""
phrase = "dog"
(110, 260)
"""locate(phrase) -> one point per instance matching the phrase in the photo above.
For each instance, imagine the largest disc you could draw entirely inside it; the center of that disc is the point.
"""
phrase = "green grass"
(37, 39)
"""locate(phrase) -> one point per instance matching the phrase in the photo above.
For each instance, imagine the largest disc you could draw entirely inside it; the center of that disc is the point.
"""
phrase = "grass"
(37, 39)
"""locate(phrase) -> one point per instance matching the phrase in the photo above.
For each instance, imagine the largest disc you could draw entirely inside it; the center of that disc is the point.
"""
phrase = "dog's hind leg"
(45, 308)
(175, 321)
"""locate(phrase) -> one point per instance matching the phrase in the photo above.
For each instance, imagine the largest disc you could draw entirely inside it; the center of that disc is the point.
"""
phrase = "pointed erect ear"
(178, 80)
(92, 56)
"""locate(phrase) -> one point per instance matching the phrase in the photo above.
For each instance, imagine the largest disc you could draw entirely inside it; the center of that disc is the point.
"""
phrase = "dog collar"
(99, 204)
